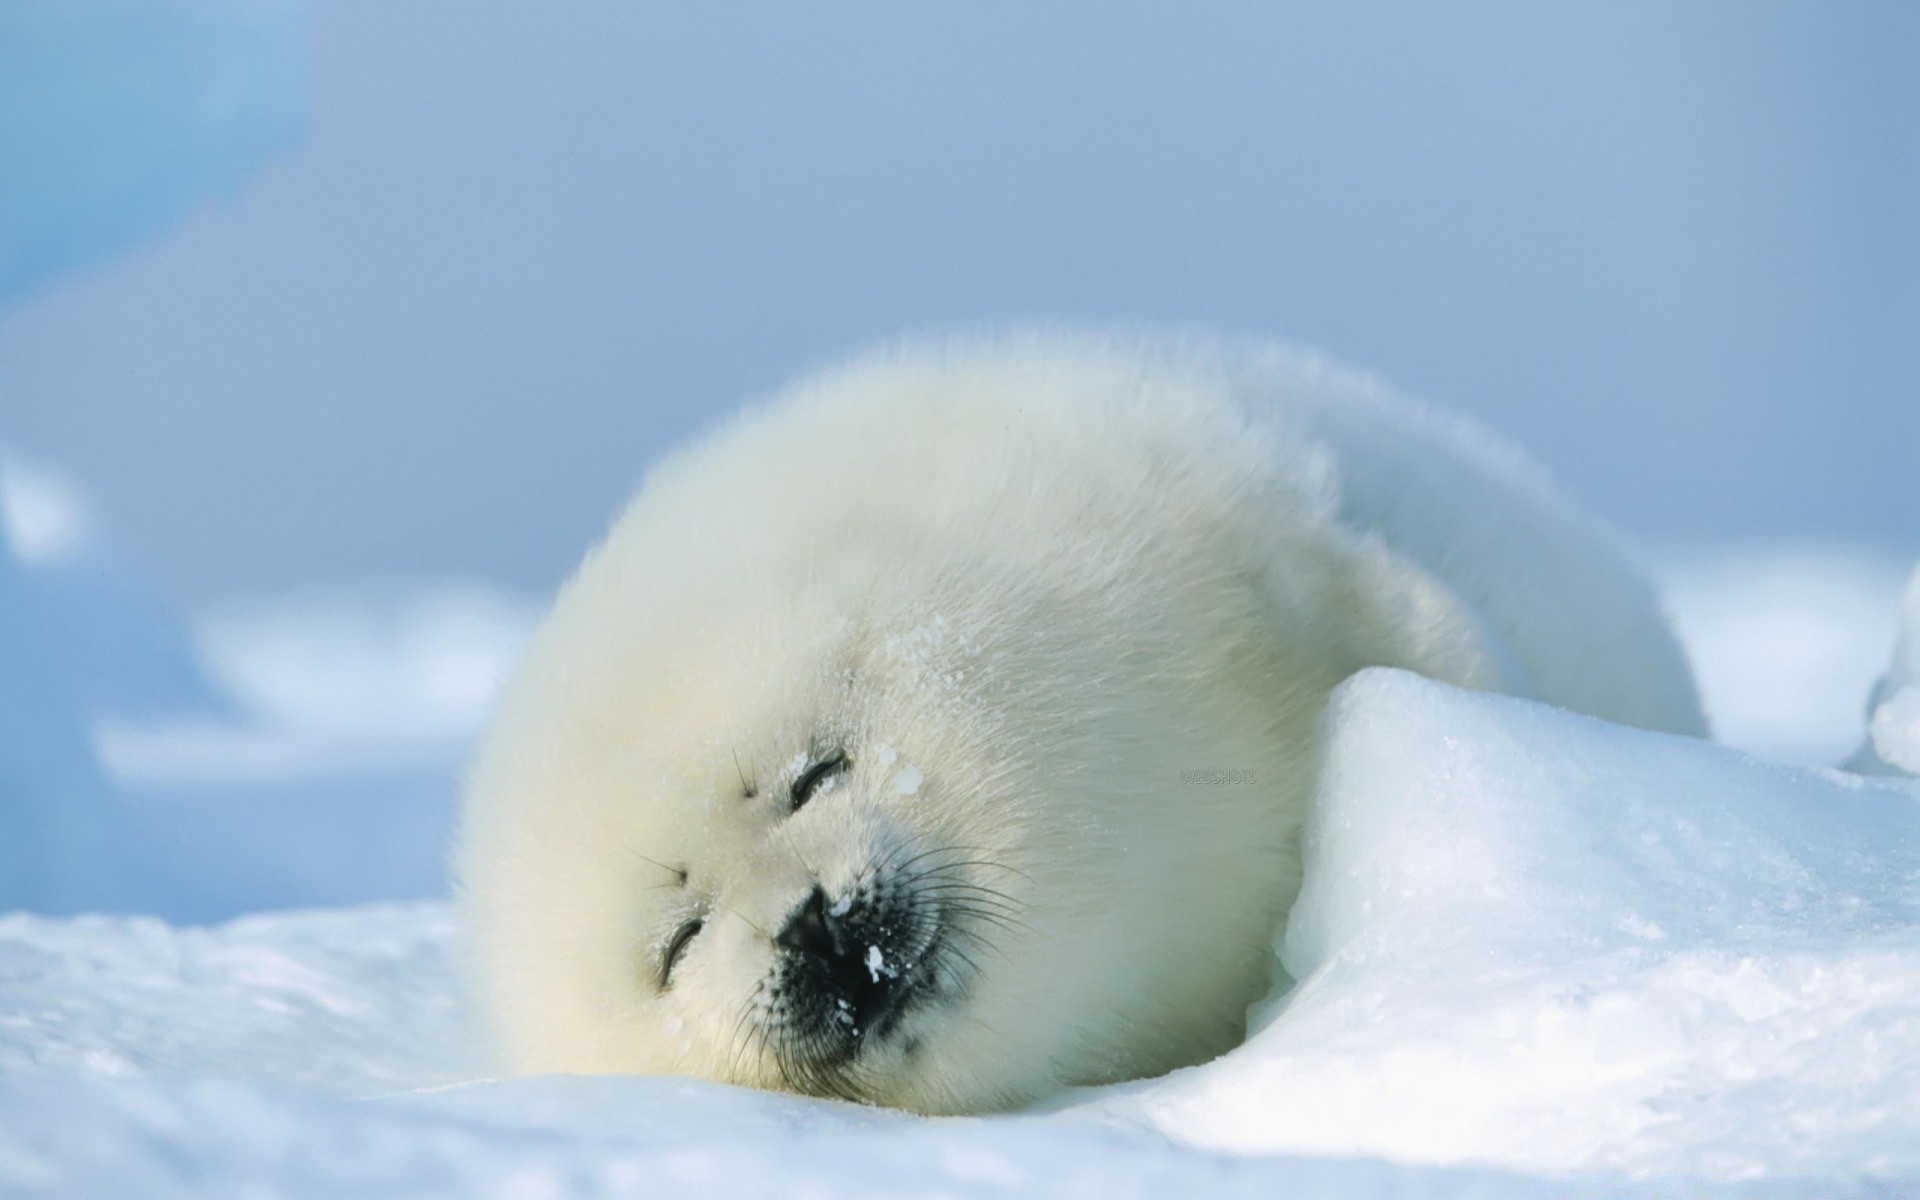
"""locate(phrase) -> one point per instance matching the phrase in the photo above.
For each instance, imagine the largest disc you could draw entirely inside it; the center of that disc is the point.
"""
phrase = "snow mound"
(1529, 942)
(1534, 939)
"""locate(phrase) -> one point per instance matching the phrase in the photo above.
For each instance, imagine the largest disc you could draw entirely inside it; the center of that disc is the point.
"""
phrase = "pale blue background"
(1671, 248)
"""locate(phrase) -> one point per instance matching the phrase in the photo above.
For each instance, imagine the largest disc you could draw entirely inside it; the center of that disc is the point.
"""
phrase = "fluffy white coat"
(1070, 608)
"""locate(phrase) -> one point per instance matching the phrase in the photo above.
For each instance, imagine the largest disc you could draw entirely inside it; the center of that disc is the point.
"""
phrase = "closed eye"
(682, 938)
(815, 775)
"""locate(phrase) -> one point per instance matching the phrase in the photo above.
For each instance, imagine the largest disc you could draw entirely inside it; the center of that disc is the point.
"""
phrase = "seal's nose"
(834, 958)
(813, 931)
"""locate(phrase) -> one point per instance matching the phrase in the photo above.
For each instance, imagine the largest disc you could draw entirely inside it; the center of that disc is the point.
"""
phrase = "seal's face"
(790, 854)
(927, 855)
(823, 937)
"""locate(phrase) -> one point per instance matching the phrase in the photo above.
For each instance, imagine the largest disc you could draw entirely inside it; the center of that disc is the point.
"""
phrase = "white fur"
(1046, 575)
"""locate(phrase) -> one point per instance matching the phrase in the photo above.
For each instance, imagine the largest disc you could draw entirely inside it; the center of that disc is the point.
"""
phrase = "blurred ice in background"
(1670, 249)
(335, 332)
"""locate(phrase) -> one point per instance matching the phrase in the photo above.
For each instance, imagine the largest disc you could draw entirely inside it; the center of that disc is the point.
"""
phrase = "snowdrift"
(1529, 942)
(1532, 938)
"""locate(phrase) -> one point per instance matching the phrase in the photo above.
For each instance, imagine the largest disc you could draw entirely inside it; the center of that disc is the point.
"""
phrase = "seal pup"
(939, 734)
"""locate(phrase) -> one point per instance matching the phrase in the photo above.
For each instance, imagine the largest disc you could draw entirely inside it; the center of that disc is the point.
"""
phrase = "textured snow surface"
(1540, 940)
(534, 1139)
(1540, 955)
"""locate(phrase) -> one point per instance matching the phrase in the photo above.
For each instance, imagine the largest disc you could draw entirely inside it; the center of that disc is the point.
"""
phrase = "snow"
(1537, 940)
(347, 1001)
(331, 685)
(612, 1137)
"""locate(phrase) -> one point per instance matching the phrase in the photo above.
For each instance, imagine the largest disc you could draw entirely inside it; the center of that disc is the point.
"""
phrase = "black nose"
(836, 965)
(813, 931)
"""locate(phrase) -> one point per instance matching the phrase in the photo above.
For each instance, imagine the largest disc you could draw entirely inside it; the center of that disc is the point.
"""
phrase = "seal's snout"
(812, 931)
(839, 956)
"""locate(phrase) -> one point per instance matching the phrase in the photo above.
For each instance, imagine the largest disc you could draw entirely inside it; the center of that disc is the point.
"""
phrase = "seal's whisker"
(949, 868)
(966, 958)
(991, 919)
(748, 788)
(891, 861)
(972, 895)
(791, 845)
(740, 1026)
(750, 922)
(978, 937)
(985, 897)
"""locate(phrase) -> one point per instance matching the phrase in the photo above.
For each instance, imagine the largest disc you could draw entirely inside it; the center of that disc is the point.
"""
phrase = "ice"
(299, 752)
(43, 513)
(116, 115)
(907, 781)
(332, 775)
(332, 685)
(55, 810)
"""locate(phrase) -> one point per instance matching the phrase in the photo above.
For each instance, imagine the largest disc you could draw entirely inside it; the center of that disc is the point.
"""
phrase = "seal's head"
(935, 737)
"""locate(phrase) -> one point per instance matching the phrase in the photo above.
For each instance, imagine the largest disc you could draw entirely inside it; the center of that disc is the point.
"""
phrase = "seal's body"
(940, 734)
